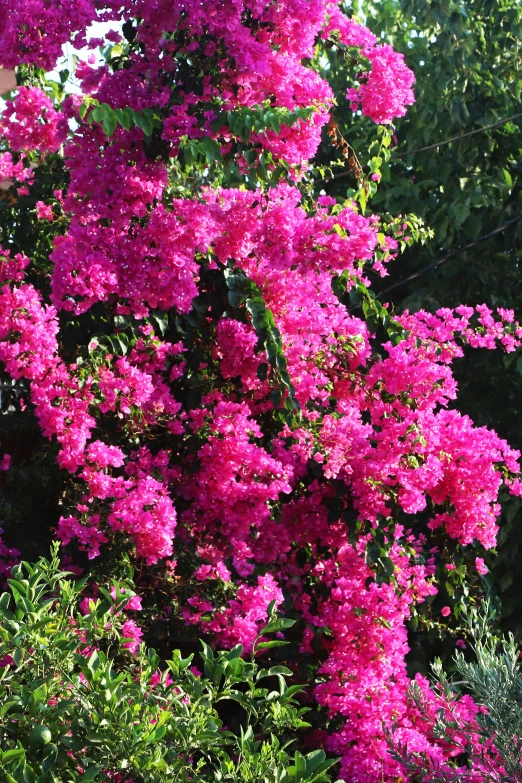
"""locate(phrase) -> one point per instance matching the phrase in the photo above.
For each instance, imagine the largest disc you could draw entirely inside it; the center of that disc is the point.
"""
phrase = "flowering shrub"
(178, 322)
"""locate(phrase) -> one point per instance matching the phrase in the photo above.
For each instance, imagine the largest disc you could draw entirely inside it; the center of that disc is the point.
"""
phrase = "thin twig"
(457, 138)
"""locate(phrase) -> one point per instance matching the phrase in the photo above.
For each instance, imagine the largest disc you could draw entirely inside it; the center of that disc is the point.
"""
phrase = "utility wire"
(454, 253)
(431, 146)
(457, 138)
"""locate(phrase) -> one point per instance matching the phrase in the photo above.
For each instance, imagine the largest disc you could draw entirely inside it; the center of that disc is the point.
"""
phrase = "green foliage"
(77, 707)
(376, 316)
(244, 121)
(242, 289)
(241, 122)
(93, 111)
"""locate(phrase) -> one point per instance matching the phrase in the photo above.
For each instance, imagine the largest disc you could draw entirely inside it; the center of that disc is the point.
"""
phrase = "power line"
(454, 253)
(431, 146)
(457, 138)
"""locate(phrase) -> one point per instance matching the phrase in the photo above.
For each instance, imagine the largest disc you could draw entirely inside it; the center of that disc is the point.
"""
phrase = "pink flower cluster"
(243, 618)
(130, 630)
(463, 737)
(386, 90)
(33, 31)
(30, 122)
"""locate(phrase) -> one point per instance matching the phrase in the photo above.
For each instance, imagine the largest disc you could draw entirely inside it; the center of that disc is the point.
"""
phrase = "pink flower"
(30, 122)
(481, 566)
(133, 633)
(133, 603)
(445, 611)
(44, 211)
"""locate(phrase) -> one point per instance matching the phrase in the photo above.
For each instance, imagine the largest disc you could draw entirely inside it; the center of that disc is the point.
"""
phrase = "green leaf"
(208, 736)
(248, 704)
(95, 738)
(14, 753)
(110, 122)
(279, 624)
(314, 760)
(83, 109)
(162, 321)
(90, 773)
(144, 122)
(262, 371)
(97, 114)
(274, 121)
(236, 298)
(219, 122)
(28, 773)
(124, 117)
(459, 212)
(93, 662)
(18, 656)
(319, 773)
(9, 705)
(293, 689)
(300, 765)
(275, 670)
(157, 734)
(210, 149)
(51, 755)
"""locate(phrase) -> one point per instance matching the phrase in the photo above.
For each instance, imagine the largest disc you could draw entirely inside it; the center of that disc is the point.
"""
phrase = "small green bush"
(75, 705)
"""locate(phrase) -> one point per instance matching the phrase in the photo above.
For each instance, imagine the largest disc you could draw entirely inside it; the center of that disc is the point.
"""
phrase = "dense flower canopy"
(188, 346)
